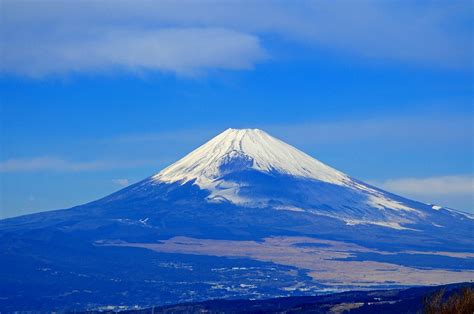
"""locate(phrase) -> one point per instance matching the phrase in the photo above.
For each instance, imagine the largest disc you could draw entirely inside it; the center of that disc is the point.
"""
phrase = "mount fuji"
(243, 216)
(250, 168)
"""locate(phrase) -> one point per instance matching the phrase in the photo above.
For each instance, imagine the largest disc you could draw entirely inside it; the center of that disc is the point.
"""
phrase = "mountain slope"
(250, 168)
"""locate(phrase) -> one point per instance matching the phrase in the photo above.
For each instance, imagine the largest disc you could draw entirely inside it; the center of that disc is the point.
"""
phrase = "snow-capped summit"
(283, 178)
(240, 149)
(248, 168)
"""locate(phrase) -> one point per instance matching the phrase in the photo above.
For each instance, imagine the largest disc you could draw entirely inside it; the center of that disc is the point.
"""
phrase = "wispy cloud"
(184, 51)
(456, 191)
(431, 186)
(62, 165)
(121, 182)
(47, 163)
(47, 37)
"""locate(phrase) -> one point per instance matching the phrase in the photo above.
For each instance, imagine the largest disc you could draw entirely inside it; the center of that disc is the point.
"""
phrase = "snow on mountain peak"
(327, 191)
(240, 149)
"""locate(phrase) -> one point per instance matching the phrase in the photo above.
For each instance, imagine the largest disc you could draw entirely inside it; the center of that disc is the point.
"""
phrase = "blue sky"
(98, 95)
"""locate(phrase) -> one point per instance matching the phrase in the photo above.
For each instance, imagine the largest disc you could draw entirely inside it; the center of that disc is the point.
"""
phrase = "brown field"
(323, 263)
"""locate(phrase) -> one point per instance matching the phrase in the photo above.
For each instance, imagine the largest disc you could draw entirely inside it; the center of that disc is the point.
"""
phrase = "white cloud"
(184, 51)
(121, 182)
(45, 37)
(443, 185)
(455, 191)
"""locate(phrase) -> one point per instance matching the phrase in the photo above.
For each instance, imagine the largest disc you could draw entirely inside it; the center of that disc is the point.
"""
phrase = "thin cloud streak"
(431, 186)
(121, 182)
(62, 165)
(455, 191)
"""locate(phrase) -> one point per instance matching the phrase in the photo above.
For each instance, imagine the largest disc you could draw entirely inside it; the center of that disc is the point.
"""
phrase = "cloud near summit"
(41, 38)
